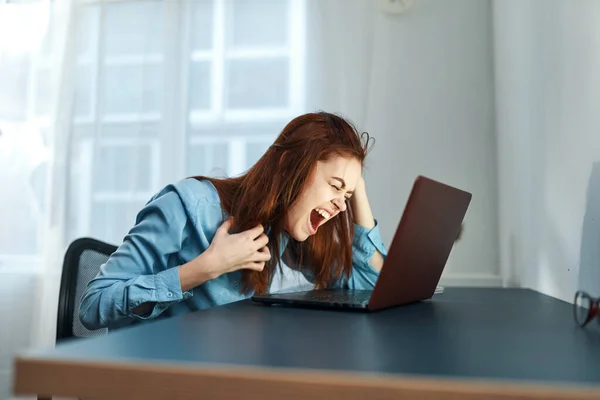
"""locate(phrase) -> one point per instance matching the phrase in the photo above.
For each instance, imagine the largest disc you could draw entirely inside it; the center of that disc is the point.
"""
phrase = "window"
(175, 88)
(27, 80)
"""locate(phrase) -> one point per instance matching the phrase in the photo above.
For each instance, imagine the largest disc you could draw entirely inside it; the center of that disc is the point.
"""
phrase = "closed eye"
(339, 190)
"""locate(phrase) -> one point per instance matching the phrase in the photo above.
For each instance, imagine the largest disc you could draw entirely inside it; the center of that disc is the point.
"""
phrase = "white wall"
(547, 69)
(17, 303)
(431, 111)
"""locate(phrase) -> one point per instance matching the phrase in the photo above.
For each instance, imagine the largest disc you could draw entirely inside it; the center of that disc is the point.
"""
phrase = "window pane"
(43, 91)
(83, 90)
(265, 130)
(257, 83)
(132, 89)
(81, 131)
(19, 213)
(22, 175)
(200, 85)
(123, 169)
(134, 28)
(254, 151)
(202, 24)
(208, 159)
(111, 221)
(14, 85)
(131, 130)
(258, 23)
(86, 29)
(80, 169)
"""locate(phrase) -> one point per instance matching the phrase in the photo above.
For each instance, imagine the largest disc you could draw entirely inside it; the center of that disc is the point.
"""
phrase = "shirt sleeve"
(138, 271)
(364, 244)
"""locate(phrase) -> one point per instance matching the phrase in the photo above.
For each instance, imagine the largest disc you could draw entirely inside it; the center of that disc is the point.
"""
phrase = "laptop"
(422, 243)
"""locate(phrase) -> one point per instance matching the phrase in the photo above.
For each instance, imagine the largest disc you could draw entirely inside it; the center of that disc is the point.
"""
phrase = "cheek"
(304, 203)
(311, 198)
(321, 197)
(292, 216)
(317, 195)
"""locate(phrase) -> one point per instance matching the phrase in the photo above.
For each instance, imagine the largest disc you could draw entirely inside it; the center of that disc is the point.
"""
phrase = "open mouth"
(318, 217)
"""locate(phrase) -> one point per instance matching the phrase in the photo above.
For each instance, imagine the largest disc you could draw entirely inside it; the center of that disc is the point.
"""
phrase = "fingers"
(226, 226)
(261, 241)
(255, 232)
(263, 254)
(258, 266)
(258, 259)
(255, 266)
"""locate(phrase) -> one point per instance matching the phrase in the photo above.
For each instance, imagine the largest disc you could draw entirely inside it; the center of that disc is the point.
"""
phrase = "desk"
(465, 343)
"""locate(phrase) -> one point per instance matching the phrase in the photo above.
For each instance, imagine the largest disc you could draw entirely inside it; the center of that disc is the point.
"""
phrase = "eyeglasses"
(585, 308)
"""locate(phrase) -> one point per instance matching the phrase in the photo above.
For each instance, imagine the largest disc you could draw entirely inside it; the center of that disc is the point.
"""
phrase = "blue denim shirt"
(174, 227)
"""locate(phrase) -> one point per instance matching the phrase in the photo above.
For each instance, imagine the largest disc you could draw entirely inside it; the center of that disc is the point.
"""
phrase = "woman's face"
(323, 197)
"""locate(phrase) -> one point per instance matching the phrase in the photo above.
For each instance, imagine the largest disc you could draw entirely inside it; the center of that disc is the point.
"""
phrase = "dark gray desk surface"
(495, 334)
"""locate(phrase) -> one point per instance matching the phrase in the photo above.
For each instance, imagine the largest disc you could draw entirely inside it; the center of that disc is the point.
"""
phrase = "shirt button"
(236, 283)
(169, 294)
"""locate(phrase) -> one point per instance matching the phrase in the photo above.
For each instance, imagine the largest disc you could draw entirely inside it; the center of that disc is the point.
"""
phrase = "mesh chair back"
(82, 262)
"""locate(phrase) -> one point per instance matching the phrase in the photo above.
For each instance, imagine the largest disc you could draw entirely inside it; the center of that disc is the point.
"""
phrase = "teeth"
(324, 213)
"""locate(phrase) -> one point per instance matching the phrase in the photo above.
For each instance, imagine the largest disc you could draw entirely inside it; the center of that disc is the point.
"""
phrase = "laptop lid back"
(416, 258)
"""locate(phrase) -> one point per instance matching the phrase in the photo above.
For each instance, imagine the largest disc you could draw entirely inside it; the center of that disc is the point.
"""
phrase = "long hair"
(264, 194)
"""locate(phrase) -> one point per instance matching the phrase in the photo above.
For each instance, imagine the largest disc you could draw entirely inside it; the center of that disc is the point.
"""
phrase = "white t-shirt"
(286, 280)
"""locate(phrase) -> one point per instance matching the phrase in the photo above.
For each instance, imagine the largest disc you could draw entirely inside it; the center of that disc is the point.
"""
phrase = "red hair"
(270, 187)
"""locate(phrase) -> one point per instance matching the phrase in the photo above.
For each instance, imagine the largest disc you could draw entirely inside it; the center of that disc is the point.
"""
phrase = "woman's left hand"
(361, 207)
(363, 216)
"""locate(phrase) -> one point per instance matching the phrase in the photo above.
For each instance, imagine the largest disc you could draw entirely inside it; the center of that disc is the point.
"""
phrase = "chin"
(297, 234)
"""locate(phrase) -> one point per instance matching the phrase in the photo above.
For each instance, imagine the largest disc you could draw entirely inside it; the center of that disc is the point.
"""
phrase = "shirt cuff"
(368, 240)
(164, 289)
(168, 286)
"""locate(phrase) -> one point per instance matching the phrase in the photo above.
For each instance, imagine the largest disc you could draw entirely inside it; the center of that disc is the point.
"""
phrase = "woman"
(298, 219)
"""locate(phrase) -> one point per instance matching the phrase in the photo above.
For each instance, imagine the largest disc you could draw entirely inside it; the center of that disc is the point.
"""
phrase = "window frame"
(177, 123)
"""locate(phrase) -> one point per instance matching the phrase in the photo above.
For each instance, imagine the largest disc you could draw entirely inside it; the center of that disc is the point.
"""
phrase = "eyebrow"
(343, 182)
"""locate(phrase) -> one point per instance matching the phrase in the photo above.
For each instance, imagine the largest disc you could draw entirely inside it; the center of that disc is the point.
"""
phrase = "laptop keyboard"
(353, 296)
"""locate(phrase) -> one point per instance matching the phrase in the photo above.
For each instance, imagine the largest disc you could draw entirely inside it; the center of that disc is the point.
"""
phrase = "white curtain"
(33, 53)
(154, 91)
(168, 89)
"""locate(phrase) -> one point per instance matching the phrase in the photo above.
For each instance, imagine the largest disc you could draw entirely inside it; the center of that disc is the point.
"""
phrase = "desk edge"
(75, 378)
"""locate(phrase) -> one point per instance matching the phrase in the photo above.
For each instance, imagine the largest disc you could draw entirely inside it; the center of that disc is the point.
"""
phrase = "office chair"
(82, 262)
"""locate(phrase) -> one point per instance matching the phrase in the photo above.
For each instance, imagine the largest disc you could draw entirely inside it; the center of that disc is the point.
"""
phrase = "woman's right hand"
(227, 253)
(244, 250)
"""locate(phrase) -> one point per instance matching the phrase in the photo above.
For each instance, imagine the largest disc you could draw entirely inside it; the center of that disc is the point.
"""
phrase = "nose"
(339, 203)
